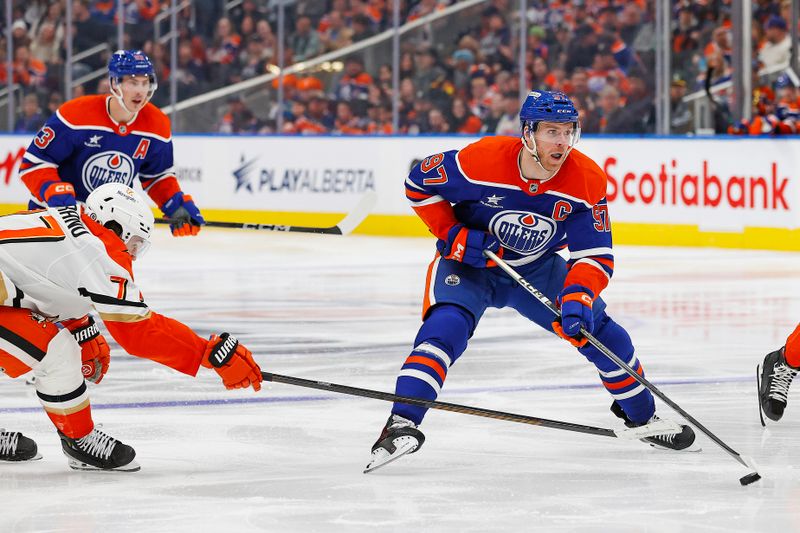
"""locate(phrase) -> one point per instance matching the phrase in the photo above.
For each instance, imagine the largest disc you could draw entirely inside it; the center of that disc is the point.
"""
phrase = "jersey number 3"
(44, 137)
(434, 161)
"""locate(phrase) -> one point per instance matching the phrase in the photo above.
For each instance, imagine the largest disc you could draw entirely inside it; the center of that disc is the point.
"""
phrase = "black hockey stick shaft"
(333, 230)
(355, 217)
(525, 284)
(432, 404)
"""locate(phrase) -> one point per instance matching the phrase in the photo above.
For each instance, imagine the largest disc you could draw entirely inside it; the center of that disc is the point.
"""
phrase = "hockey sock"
(792, 350)
(71, 413)
(634, 398)
(440, 341)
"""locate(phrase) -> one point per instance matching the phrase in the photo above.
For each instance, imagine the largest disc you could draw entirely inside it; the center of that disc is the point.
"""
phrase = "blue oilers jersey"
(482, 187)
(81, 144)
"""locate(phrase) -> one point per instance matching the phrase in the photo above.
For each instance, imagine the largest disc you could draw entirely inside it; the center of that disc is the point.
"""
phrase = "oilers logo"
(525, 233)
(107, 167)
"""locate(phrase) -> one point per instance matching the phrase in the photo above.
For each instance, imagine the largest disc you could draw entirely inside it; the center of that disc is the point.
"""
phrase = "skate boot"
(14, 446)
(98, 451)
(678, 441)
(398, 438)
(774, 378)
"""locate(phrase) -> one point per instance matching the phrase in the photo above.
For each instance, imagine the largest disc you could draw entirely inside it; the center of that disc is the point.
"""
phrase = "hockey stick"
(344, 227)
(628, 434)
(525, 284)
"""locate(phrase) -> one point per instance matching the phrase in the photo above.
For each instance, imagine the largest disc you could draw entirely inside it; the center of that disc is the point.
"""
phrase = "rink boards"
(701, 191)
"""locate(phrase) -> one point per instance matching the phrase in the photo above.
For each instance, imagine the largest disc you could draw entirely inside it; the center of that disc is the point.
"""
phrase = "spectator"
(223, 52)
(354, 85)
(680, 116)
(461, 63)
(28, 71)
(462, 120)
(362, 29)
(31, 119)
(428, 74)
(777, 49)
(54, 102)
(251, 61)
(304, 42)
(45, 47)
(337, 34)
(495, 44)
(610, 116)
(268, 39)
(190, 72)
(87, 33)
(480, 95)
(582, 49)
(238, 119)
(437, 122)
(19, 34)
(509, 120)
(315, 119)
(346, 122)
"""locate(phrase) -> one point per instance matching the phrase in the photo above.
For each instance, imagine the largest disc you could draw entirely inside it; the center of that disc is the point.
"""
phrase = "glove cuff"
(220, 353)
(170, 206)
(53, 188)
(86, 332)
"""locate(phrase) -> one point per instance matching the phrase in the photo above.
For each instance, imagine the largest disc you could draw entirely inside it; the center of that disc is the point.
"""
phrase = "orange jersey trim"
(588, 276)
(115, 248)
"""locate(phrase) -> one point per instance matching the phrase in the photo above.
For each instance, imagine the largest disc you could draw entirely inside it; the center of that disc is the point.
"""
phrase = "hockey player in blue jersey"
(525, 202)
(98, 139)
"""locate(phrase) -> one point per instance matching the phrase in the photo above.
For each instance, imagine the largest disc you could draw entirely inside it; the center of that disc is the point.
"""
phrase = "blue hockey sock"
(440, 341)
(636, 400)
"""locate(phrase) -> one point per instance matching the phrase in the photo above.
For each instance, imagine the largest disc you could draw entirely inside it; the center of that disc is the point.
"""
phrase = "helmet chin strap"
(116, 92)
(531, 148)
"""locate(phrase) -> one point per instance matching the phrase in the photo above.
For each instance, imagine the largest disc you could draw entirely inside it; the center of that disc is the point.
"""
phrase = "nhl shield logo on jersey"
(107, 167)
(523, 232)
(452, 280)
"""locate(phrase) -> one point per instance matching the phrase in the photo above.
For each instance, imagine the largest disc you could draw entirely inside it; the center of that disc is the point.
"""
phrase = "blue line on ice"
(293, 399)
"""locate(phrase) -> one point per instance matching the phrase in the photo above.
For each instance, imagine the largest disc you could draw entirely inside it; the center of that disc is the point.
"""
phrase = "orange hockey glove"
(95, 353)
(233, 362)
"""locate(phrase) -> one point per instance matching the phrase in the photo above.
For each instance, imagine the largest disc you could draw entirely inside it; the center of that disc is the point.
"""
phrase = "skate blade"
(34, 458)
(758, 396)
(381, 456)
(660, 427)
(74, 464)
(694, 448)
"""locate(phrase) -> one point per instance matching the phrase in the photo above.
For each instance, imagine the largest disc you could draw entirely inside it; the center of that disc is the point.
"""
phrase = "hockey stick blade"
(344, 227)
(659, 427)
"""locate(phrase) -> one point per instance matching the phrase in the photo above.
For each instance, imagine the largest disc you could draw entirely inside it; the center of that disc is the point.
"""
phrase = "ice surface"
(345, 310)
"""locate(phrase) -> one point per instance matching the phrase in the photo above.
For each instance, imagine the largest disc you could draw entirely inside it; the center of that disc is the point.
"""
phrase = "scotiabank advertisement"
(712, 183)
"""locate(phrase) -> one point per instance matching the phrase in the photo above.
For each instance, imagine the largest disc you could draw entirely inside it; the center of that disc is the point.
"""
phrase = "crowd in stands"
(600, 52)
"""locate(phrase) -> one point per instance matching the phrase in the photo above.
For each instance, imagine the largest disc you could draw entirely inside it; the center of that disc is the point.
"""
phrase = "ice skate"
(16, 447)
(98, 451)
(679, 440)
(398, 438)
(774, 377)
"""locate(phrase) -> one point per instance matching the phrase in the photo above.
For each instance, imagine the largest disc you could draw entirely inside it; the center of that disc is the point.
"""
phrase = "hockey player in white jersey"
(57, 265)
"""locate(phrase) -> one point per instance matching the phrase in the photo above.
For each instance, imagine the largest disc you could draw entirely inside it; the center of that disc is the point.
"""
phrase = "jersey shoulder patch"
(581, 178)
(152, 122)
(492, 160)
(85, 111)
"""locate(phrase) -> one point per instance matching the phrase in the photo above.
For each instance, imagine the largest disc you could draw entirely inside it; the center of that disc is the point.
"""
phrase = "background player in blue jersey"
(98, 139)
(524, 201)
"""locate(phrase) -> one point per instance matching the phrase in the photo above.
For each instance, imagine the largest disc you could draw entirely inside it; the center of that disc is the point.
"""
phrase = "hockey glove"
(57, 193)
(467, 245)
(575, 302)
(95, 353)
(185, 216)
(232, 361)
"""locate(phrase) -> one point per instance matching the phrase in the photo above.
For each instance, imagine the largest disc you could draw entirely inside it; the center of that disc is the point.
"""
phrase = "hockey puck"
(752, 477)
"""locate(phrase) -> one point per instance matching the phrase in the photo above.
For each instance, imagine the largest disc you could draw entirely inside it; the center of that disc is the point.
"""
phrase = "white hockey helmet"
(119, 208)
